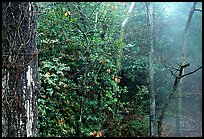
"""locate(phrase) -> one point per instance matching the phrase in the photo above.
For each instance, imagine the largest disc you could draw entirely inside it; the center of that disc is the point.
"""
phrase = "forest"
(101, 69)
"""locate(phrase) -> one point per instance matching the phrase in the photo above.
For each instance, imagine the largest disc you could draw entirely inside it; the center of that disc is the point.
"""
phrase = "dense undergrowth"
(81, 90)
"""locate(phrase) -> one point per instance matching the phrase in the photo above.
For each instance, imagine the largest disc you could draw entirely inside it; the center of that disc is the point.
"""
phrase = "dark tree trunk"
(19, 70)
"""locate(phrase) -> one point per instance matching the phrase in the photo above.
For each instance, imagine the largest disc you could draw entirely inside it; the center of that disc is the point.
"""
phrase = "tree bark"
(150, 12)
(19, 70)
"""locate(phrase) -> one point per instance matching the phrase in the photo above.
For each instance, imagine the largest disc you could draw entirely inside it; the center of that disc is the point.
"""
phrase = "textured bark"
(19, 70)
(150, 13)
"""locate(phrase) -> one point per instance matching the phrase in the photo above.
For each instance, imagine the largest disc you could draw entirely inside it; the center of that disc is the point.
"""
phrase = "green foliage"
(80, 88)
(139, 127)
(57, 102)
(74, 66)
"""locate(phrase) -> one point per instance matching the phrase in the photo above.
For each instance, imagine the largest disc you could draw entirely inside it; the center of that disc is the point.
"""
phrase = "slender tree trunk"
(19, 70)
(150, 12)
(83, 93)
(182, 61)
(120, 49)
(169, 98)
(178, 79)
(96, 21)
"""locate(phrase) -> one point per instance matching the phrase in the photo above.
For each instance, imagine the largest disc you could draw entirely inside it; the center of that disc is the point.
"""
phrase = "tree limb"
(189, 18)
(128, 14)
(190, 72)
(200, 10)
(169, 70)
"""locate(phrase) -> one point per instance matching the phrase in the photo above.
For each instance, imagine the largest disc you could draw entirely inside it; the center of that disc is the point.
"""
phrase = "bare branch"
(172, 68)
(200, 10)
(190, 72)
(166, 66)
(189, 18)
(186, 65)
(128, 14)
(169, 70)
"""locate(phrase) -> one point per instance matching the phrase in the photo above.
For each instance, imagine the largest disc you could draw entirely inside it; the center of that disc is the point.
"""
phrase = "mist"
(169, 24)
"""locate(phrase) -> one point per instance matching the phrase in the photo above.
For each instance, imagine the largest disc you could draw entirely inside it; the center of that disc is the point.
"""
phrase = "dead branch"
(190, 72)
(200, 10)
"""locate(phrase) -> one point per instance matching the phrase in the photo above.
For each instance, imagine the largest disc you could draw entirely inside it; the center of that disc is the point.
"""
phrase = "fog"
(169, 24)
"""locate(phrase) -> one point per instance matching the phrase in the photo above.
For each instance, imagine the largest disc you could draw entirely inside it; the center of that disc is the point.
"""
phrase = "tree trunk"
(178, 81)
(19, 70)
(151, 70)
(183, 56)
(120, 49)
(169, 98)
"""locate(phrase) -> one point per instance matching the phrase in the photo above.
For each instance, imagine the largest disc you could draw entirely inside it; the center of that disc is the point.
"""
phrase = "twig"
(170, 70)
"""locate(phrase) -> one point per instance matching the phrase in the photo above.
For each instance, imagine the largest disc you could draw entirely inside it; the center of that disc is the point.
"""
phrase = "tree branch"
(189, 18)
(200, 10)
(190, 72)
(170, 70)
(128, 14)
